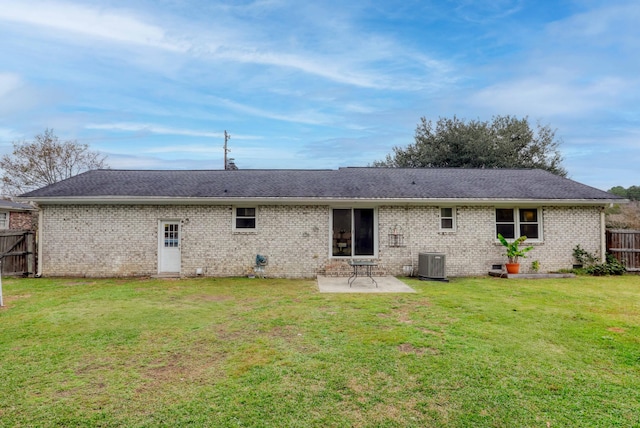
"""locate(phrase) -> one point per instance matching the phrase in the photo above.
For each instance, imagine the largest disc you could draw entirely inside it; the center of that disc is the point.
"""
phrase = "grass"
(276, 353)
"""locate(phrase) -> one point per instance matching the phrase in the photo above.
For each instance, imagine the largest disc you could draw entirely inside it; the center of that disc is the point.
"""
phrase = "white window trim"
(375, 233)
(516, 214)
(454, 223)
(244, 229)
(5, 223)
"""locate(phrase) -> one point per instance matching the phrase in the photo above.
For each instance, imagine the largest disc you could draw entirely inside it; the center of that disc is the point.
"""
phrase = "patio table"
(362, 267)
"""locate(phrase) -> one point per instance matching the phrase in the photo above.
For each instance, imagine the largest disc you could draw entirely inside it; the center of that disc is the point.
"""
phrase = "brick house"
(17, 216)
(310, 222)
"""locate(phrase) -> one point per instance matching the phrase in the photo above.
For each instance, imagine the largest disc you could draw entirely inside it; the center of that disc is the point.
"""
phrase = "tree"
(618, 191)
(44, 161)
(505, 142)
(632, 193)
(624, 216)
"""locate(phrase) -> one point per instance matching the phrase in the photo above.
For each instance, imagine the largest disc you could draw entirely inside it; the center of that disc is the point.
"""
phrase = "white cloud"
(612, 23)
(7, 135)
(583, 64)
(545, 96)
(119, 26)
(347, 57)
(124, 161)
(184, 148)
(328, 68)
(194, 157)
(308, 117)
(154, 129)
(17, 97)
(8, 83)
(486, 12)
(162, 130)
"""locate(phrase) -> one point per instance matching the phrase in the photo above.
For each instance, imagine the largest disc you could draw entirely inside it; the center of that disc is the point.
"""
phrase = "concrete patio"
(339, 284)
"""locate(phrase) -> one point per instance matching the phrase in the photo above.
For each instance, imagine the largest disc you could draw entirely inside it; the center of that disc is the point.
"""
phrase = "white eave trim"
(154, 200)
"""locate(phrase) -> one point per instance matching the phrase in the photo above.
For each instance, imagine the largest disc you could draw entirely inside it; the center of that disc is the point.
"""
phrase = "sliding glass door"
(353, 232)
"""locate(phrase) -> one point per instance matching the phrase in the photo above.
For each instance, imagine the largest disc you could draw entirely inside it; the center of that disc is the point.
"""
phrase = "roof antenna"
(226, 150)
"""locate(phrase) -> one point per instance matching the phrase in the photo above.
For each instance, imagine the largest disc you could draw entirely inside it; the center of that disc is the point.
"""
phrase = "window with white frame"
(515, 222)
(448, 219)
(4, 220)
(244, 218)
(353, 232)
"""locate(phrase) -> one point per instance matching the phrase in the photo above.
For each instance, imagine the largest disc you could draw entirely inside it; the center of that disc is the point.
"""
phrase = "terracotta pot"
(512, 267)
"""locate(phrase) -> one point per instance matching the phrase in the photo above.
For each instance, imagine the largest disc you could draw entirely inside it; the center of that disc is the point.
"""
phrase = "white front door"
(169, 247)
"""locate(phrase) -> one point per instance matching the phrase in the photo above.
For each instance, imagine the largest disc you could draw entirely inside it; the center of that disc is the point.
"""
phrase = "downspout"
(39, 241)
(603, 237)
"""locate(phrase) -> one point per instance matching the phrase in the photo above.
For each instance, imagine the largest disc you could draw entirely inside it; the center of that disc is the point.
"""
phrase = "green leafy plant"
(514, 252)
(590, 264)
(535, 266)
(583, 257)
(612, 266)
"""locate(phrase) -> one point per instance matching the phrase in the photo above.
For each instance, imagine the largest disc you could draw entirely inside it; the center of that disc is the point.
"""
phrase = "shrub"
(590, 265)
(612, 266)
(583, 257)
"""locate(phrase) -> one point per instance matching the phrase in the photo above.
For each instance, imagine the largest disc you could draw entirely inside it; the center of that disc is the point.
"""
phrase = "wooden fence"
(17, 253)
(625, 246)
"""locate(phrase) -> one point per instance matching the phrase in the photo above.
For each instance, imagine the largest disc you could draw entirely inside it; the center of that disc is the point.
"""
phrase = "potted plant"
(514, 252)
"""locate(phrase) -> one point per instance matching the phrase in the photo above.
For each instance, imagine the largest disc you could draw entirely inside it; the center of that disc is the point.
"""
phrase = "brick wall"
(117, 240)
(23, 220)
(472, 249)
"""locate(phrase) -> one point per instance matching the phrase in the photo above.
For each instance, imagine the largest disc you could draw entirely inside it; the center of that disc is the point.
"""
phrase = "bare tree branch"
(44, 161)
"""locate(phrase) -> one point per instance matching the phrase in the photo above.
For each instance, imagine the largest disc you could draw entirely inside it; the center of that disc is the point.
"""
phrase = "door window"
(171, 237)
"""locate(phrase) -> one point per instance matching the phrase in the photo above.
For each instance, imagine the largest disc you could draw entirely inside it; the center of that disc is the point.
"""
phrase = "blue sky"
(322, 84)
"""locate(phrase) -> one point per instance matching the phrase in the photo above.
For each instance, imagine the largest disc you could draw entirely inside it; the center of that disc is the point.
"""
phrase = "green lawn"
(249, 352)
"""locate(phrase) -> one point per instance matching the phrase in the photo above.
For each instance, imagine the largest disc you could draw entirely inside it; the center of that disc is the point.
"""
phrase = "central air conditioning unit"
(431, 266)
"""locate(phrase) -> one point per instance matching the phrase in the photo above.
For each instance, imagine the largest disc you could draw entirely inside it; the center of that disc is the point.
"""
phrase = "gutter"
(166, 200)
(603, 237)
(39, 241)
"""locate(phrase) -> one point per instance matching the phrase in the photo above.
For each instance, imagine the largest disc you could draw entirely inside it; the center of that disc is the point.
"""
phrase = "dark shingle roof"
(15, 206)
(344, 183)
